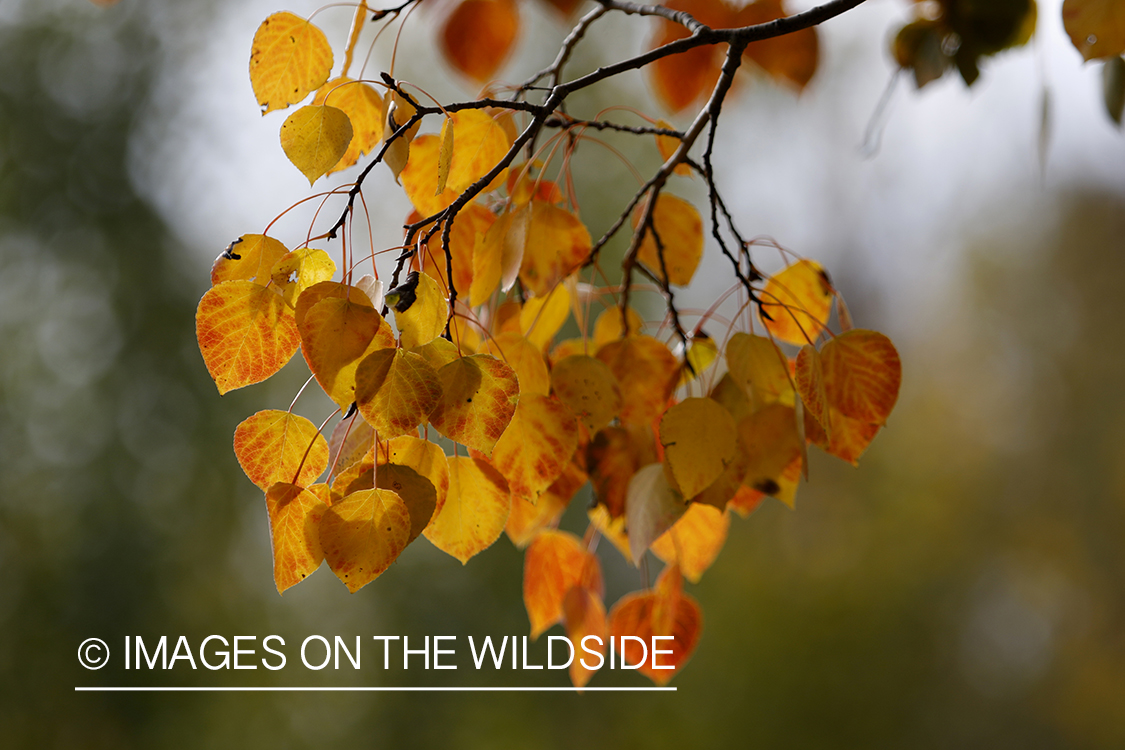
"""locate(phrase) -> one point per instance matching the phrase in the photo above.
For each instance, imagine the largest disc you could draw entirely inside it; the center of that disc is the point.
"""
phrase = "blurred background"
(965, 587)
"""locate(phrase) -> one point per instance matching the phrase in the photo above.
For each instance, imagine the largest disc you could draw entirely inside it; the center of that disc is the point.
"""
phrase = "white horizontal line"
(365, 689)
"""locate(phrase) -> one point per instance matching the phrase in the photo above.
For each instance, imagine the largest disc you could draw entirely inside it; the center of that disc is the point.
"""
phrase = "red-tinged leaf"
(295, 515)
(758, 366)
(791, 58)
(557, 243)
(850, 437)
(542, 317)
(809, 377)
(584, 616)
(420, 177)
(300, 269)
(680, 228)
(477, 36)
(479, 146)
(668, 145)
(698, 436)
(352, 441)
(363, 534)
(649, 369)
(1096, 27)
(588, 387)
(256, 256)
(417, 493)
(695, 540)
(632, 615)
(799, 301)
(613, 457)
(364, 107)
(290, 58)
(422, 456)
(524, 358)
(475, 510)
(479, 395)
(651, 507)
(555, 563)
(315, 138)
(539, 441)
(527, 519)
(472, 222)
(772, 442)
(395, 391)
(272, 444)
(245, 333)
(862, 375)
(336, 334)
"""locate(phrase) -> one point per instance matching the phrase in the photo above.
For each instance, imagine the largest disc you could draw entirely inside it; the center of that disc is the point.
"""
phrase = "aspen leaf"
(477, 36)
(315, 138)
(364, 107)
(300, 269)
(417, 493)
(694, 541)
(555, 563)
(557, 243)
(295, 515)
(632, 615)
(727, 486)
(542, 317)
(351, 441)
(610, 326)
(527, 519)
(799, 301)
(668, 145)
(421, 312)
(771, 442)
(323, 290)
(747, 499)
(757, 365)
(651, 507)
(612, 529)
(395, 390)
(422, 456)
(478, 399)
(336, 334)
(701, 354)
(539, 440)
(613, 456)
(399, 111)
(245, 333)
(678, 80)
(271, 445)
(849, 438)
(1096, 27)
(732, 397)
(525, 359)
(570, 348)
(421, 178)
(363, 534)
(438, 353)
(481, 144)
(647, 372)
(445, 155)
(475, 510)
(791, 58)
(698, 436)
(256, 256)
(584, 615)
(862, 375)
(471, 223)
(809, 377)
(498, 254)
(680, 228)
(289, 59)
(588, 387)
(667, 591)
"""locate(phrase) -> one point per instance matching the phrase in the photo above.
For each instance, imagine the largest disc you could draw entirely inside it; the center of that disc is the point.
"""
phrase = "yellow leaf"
(478, 399)
(542, 317)
(809, 377)
(300, 269)
(757, 365)
(695, 540)
(555, 563)
(650, 371)
(732, 397)
(271, 445)
(680, 228)
(481, 144)
(610, 327)
(363, 534)
(534, 449)
(475, 510)
(295, 515)
(289, 59)
(1097, 27)
(438, 353)
(772, 443)
(245, 333)
(557, 243)
(445, 155)
(477, 36)
(652, 505)
(799, 301)
(421, 310)
(701, 354)
(364, 107)
(471, 223)
(424, 457)
(315, 138)
(611, 528)
(395, 391)
(421, 178)
(667, 145)
(698, 436)
(399, 111)
(498, 253)
(588, 387)
(524, 358)
(323, 290)
(336, 334)
(862, 375)
(252, 257)
(417, 493)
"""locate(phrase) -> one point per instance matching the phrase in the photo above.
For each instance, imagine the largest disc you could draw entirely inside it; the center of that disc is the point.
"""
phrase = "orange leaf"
(336, 334)
(668, 145)
(479, 146)
(772, 443)
(792, 57)
(799, 301)
(652, 505)
(526, 519)
(649, 369)
(680, 228)
(475, 510)
(680, 79)
(289, 59)
(613, 457)
(424, 457)
(584, 616)
(810, 384)
(555, 563)
(524, 358)
(245, 333)
(539, 441)
(395, 391)
(698, 436)
(477, 36)
(478, 399)
(850, 437)
(324, 290)
(256, 255)
(632, 615)
(695, 540)
(271, 444)
(588, 387)
(557, 243)
(364, 107)
(862, 375)
(612, 529)
(363, 534)
(295, 515)
(420, 177)
(498, 254)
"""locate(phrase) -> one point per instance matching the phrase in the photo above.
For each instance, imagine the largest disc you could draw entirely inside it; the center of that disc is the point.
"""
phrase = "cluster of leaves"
(673, 429)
